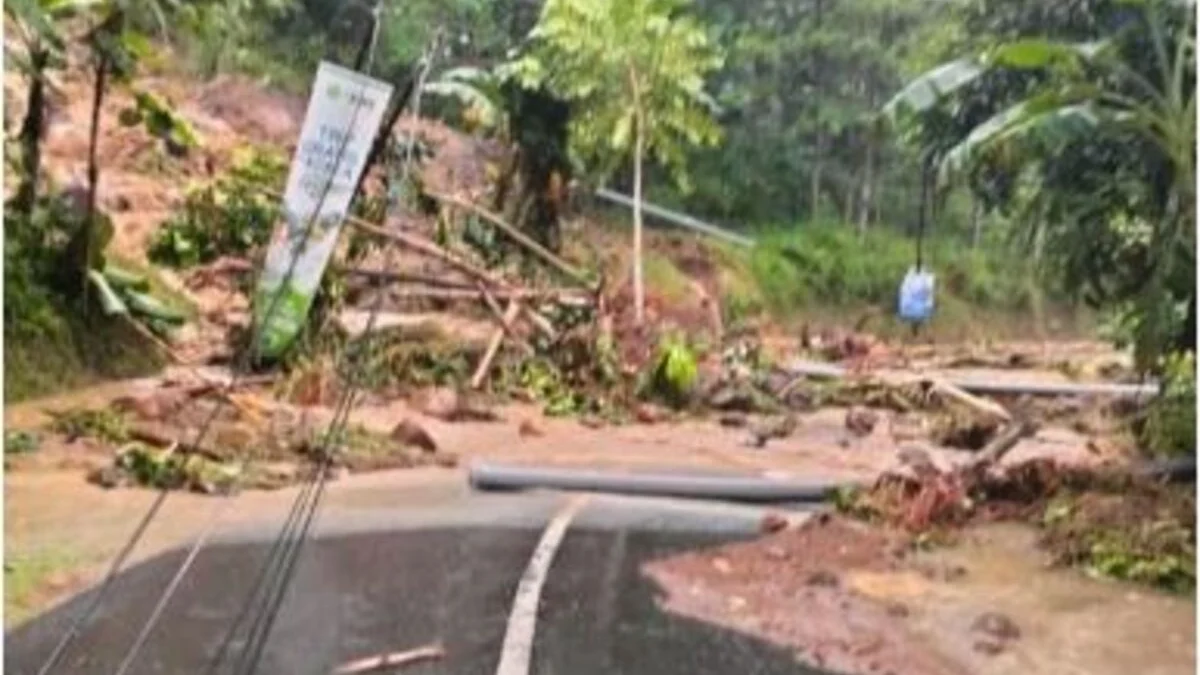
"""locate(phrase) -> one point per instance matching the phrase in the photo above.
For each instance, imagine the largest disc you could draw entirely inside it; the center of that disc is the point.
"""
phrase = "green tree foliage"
(798, 90)
(1091, 146)
(633, 71)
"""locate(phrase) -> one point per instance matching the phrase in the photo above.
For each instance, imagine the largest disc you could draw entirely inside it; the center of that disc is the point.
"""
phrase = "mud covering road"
(388, 580)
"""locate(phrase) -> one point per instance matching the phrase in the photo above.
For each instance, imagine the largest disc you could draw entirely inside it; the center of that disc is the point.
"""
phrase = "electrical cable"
(281, 559)
(311, 496)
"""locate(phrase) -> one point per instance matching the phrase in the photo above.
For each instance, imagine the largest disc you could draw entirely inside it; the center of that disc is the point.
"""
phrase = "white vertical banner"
(344, 114)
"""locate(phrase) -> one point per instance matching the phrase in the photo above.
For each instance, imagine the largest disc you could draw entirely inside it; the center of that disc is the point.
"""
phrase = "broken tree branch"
(1006, 440)
(517, 236)
(510, 315)
(983, 406)
(428, 248)
(502, 318)
(391, 660)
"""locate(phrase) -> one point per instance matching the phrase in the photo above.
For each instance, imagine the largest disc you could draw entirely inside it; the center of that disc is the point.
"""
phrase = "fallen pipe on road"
(747, 489)
(726, 488)
(830, 371)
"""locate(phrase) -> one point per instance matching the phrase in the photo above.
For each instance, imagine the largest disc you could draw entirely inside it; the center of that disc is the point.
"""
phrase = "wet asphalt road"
(374, 588)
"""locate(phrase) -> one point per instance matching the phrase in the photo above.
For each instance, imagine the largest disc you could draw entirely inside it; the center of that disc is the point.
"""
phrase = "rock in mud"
(898, 610)
(996, 626)
(530, 429)
(916, 460)
(591, 422)
(446, 460)
(733, 398)
(823, 578)
(989, 647)
(733, 421)
(411, 434)
(448, 405)
(648, 413)
(152, 407)
(110, 478)
(772, 523)
(861, 421)
(773, 428)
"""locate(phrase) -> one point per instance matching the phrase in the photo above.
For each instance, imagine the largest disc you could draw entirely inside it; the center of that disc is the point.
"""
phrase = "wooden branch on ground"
(501, 294)
(542, 323)
(980, 405)
(505, 322)
(455, 290)
(510, 315)
(426, 247)
(1004, 441)
(404, 277)
(391, 660)
(517, 236)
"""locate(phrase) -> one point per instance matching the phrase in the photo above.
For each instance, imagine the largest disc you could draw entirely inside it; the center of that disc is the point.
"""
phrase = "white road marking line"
(517, 650)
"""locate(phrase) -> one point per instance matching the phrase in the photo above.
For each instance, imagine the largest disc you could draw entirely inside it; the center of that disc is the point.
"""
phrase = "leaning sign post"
(343, 117)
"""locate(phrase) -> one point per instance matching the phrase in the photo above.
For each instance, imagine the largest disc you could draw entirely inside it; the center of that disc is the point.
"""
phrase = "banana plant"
(479, 92)
(1093, 89)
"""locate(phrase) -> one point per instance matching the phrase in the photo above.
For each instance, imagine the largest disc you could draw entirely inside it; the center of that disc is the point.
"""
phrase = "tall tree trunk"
(639, 291)
(868, 189)
(639, 147)
(32, 129)
(91, 229)
(814, 206)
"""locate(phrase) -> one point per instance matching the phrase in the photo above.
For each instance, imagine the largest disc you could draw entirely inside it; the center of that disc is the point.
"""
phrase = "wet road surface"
(370, 588)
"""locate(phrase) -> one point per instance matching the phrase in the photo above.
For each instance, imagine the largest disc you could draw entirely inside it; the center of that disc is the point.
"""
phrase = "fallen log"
(989, 409)
(1005, 441)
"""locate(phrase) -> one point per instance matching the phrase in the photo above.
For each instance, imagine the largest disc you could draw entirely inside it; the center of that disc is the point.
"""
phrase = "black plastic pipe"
(726, 488)
(498, 477)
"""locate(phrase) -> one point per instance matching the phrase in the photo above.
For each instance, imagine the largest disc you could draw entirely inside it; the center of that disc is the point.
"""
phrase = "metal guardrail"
(677, 218)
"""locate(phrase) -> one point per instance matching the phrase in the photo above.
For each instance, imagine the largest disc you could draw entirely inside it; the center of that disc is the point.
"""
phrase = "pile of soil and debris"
(249, 443)
(1101, 518)
(790, 588)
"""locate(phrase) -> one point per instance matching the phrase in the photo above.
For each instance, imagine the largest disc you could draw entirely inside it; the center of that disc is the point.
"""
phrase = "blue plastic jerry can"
(916, 296)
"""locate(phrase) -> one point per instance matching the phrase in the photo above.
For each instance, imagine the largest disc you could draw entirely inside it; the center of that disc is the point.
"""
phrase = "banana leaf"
(110, 302)
(150, 306)
(122, 279)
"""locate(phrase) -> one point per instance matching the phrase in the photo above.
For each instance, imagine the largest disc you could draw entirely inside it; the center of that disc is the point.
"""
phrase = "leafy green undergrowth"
(66, 350)
(814, 271)
(1144, 534)
(57, 334)
(1170, 426)
(231, 215)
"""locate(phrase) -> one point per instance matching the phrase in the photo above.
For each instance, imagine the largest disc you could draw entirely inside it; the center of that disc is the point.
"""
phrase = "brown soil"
(789, 588)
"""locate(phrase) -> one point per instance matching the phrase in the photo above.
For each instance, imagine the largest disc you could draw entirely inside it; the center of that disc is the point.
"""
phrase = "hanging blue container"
(916, 296)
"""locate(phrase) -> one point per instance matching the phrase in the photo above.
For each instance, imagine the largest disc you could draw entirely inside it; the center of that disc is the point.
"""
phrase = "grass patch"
(66, 350)
(30, 580)
(665, 279)
(824, 270)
